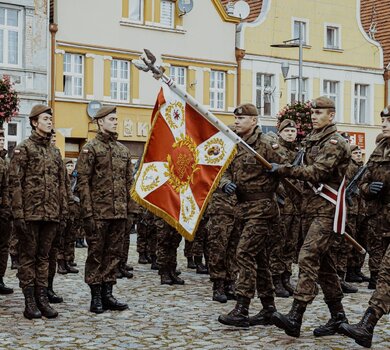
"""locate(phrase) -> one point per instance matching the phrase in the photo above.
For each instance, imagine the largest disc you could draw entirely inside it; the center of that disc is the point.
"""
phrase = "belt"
(254, 196)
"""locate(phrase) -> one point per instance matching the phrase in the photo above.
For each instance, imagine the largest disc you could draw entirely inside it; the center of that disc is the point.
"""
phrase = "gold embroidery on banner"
(188, 208)
(215, 151)
(150, 187)
(174, 114)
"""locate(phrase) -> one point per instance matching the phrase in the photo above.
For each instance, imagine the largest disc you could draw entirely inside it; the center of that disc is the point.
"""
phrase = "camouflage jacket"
(4, 193)
(221, 203)
(105, 175)
(251, 178)
(327, 156)
(37, 181)
(352, 169)
(378, 169)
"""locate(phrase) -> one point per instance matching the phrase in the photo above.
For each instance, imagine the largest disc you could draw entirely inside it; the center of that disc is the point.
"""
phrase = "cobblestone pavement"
(163, 317)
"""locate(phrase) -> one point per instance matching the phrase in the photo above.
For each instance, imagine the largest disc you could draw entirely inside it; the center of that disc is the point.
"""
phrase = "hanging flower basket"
(300, 113)
(9, 100)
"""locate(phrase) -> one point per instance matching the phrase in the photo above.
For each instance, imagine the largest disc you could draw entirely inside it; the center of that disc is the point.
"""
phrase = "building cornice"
(63, 44)
(198, 60)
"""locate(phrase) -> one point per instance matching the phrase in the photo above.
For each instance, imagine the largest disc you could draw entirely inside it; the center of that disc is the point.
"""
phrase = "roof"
(255, 6)
(376, 14)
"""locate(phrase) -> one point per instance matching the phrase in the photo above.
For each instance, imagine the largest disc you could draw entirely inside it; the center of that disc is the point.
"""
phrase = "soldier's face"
(321, 118)
(357, 156)
(244, 124)
(44, 124)
(1, 143)
(70, 168)
(386, 126)
(288, 134)
(109, 123)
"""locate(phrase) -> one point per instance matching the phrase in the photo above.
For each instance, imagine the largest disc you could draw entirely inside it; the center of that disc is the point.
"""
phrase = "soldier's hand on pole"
(20, 225)
(375, 187)
(229, 188)
(274, 168)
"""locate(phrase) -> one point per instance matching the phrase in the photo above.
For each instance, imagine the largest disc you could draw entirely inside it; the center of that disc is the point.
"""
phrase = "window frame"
(119, 81)
(74, 75)
(215, 90)
(306, 36)
(337, 95)
(173, 3)
(367, 104)
(173, 76)
(336, 27)
(261, 88)
(304, 80)
(142, 6)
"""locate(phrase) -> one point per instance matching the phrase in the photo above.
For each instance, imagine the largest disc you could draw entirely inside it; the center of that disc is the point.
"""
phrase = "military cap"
(104, 111)
(386, 112)
(322, 102)
(355, 148)
(68, 160)
(39, 109)
(287, 123)
(246, 109)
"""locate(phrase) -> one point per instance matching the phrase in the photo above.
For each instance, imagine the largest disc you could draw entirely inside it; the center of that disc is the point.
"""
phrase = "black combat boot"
(191, 263)
(61, 268)
(83, 243)
(373, 279)
(238, 317)
(79, 243)
(96, 299)
(291, 323)
(4, 289)
(43, 303)
(359, 272)
(165, 276)
(175, 276)
(364, 330)
(154, 265)
(263, 318)
(352, 276)
(337, 318)
(280, 291)
(230, 290)
(14, 262)
(124, 272)
(72, 263)
(70, 269)
(219, 291)
(346, 287)
(109, 301)
(200, 268)
(128, 267)
(31, 310)
(142, 259)
(51, 294)
(287, 283)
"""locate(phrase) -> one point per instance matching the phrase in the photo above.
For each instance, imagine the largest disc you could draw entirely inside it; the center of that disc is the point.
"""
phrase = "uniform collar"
(42, 140)
(107, 137)
(284, 143)
(253, 137)
(317, 135)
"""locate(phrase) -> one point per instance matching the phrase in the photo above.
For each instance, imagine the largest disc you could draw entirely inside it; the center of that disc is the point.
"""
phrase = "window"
(167, 13)
(304, 31)
(73, 75)
(10, 36)
(120, 80)
(331, 90)
(178, 74)
(12, 129)
(361, 104)
(332, 37)
(217, 90)
(294, 90)
(136, 10)
(264, 93)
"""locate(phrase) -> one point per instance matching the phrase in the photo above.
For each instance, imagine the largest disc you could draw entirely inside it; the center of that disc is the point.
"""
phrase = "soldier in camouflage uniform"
(5, 214)
(194, 250)
(104, 179)
(259, 215)
(375, 186)
(37, 183)
(147, 239)
(326, 160)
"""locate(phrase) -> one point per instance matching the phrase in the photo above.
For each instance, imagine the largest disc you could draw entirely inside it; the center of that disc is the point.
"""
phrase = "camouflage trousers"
(198, 246)
(126, 240)
(222, 244)
(316, 263)
(54, 252)
(168, 240)
(381, 297)
(375, 246)
(67, 240)
(355, 259)
(146, 238)
(105, 247)
(5, 234)
(34, 248)
(13, 242)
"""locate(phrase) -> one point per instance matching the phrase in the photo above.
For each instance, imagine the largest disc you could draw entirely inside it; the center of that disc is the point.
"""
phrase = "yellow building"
(339, 60)
(94, 48)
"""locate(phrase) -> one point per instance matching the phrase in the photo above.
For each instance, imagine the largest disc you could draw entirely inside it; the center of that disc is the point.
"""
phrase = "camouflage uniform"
(39, 198)
(146, 234)
(104, 180)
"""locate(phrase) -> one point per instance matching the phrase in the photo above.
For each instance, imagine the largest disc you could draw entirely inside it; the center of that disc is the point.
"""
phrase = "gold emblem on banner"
(174, 114)
(188, 207)
(146, 177)
(214, 151)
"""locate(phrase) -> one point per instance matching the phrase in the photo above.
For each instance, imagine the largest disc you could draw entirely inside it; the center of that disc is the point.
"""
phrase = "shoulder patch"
(85, 151)
(334, 141)
(17, 151)
(275, 146)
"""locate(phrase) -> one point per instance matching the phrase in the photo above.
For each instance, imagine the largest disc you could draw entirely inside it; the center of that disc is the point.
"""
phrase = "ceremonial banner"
(184, 159)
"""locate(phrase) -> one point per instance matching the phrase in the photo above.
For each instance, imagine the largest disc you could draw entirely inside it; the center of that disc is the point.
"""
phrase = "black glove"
(274, 168)
(375, 187)
(89, 225)
(20, 225)
(229, 188)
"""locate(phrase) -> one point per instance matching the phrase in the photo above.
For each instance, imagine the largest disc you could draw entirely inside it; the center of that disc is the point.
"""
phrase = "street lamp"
(286, 66)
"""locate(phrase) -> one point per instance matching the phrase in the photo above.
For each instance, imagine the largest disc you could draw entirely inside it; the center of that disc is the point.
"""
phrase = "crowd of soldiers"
(257, 224)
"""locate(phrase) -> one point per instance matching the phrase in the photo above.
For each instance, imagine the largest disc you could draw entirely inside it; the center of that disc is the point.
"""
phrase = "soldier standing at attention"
(105, 176)
(375, 186)
(37, 180)
(325, 163)
(259, 215)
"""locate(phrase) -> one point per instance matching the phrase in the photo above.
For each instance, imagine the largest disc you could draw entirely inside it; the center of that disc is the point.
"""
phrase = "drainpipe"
(240, 54)
(53, 28)
(386, 76)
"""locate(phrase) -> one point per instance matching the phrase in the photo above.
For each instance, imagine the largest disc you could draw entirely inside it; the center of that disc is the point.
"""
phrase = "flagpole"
(147, 64)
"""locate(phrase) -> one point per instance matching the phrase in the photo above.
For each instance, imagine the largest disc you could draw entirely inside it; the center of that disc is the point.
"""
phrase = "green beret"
(104, 111)
(39, 109)
(355, 148)
(322, 102)
(68, 160)
(246, 109)
(386, 112)
(287, 123)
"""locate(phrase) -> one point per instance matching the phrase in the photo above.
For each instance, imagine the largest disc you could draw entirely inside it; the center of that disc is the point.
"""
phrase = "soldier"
(194, 250)
(104, 180)
(38, 199)
(259, 215)
(147, 239)
(375, 186)
(5, 214)
(325, 163)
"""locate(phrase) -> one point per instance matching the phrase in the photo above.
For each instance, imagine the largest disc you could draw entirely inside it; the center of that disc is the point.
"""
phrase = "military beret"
(246, 109)
(355, 148)
(68, 160)
(386, 112)
(39, 109)
(287, 123)
(104, 111)
(322, 102)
